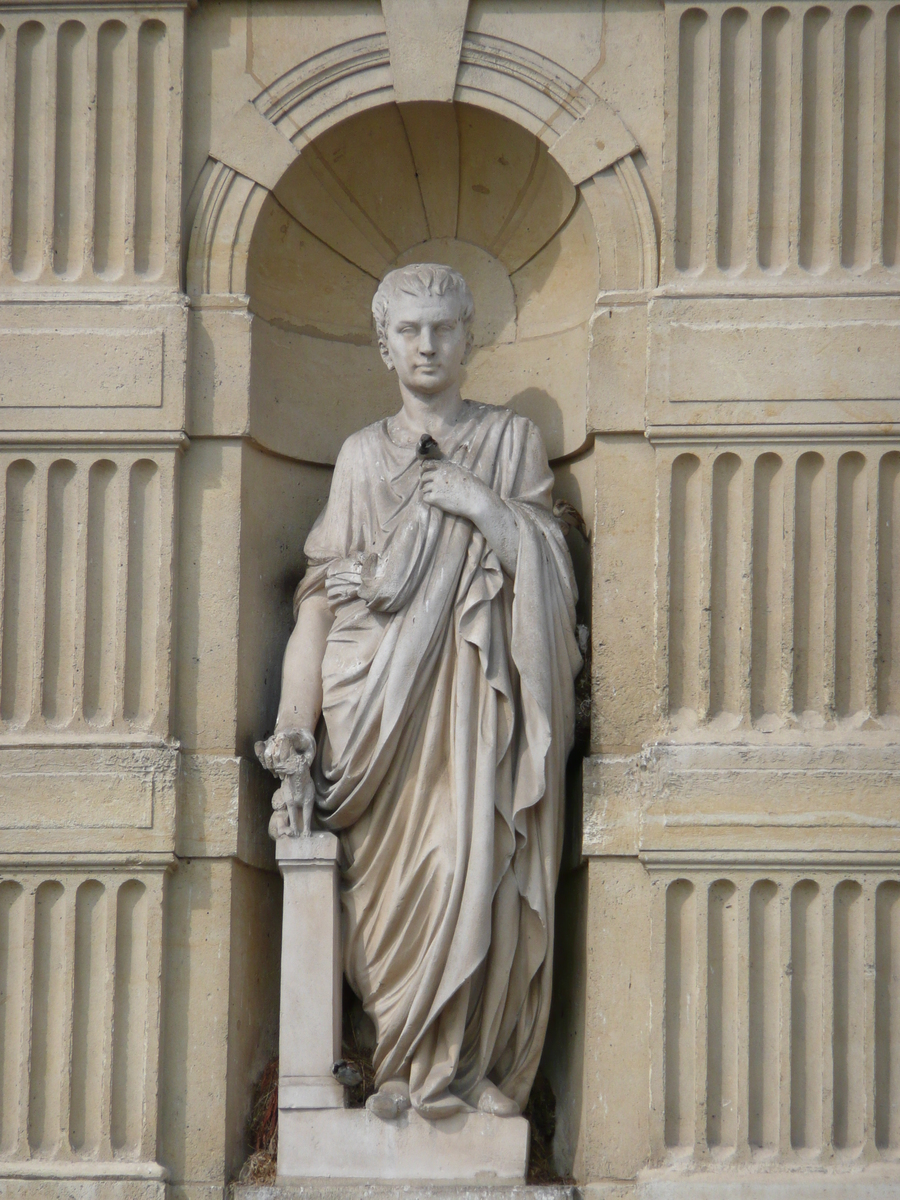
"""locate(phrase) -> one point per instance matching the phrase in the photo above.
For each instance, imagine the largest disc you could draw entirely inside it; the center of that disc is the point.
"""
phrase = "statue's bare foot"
(489, 1099)
(446, 1104)
(391, 1099)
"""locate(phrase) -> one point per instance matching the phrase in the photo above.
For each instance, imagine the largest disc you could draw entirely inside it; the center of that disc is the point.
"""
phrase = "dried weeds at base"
(541, 1114)
(259, 1168)
(262, 1130)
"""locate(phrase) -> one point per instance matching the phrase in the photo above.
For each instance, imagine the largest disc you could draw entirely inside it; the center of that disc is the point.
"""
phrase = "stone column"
(311, 977)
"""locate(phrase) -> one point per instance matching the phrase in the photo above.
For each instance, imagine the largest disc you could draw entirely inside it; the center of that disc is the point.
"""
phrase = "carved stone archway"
(585, 135)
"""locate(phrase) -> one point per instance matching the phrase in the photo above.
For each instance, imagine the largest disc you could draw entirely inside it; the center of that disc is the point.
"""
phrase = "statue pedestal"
(318, 1138)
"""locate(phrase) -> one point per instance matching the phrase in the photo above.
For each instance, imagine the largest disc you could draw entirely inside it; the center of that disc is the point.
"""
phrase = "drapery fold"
(448, 713)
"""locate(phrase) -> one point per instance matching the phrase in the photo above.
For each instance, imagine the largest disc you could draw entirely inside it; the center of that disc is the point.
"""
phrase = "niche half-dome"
(400, 184)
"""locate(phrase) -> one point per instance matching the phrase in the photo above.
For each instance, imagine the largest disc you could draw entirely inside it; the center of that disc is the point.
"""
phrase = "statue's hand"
(279, 752)
(343, 578)
(453, 489)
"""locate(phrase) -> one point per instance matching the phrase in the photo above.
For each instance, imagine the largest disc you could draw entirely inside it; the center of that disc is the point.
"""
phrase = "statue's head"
(423, 318)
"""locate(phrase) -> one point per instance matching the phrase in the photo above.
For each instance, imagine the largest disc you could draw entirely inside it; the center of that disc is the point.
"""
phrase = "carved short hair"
(422, 279)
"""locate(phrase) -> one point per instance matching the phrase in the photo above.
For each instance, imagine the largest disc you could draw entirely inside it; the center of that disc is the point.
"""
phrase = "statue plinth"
(352, 1144)
(318, 1137)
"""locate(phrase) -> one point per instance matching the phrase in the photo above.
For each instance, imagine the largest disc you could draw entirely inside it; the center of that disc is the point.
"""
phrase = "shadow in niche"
(531, 277)
(358, 1047)
(563, 1059)
(542, 408)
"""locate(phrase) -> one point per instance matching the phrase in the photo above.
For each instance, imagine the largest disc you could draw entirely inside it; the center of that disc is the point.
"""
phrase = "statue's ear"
(381, 338)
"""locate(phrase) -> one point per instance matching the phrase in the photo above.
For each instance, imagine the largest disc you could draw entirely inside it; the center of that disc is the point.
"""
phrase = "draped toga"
(448, 714)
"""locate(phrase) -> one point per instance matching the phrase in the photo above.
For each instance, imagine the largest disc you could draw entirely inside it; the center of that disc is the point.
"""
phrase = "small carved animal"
(297, 794)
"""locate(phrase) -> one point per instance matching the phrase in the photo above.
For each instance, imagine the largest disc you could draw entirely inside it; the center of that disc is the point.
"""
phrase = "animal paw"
(279, 825)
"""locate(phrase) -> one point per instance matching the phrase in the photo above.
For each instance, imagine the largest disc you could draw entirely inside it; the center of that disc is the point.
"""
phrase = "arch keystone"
(425, 42)
(253, 147)
(594, 142)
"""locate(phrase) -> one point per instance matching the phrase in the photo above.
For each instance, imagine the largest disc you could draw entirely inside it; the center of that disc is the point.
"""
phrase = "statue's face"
(426, 342)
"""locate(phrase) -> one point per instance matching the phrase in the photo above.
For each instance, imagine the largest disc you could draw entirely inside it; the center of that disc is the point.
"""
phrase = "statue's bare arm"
(301, 678)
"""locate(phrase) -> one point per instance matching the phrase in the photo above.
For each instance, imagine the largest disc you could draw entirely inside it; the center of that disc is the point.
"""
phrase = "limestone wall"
(682, 227)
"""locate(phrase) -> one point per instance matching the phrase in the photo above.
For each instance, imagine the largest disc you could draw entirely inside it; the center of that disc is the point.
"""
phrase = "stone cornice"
(93, 5)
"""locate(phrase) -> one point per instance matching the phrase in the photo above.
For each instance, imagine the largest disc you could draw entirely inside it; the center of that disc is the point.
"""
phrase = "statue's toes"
(388, 1103)
(493, 1101)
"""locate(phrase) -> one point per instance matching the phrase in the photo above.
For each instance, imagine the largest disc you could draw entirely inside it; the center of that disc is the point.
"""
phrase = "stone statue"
(434, 657)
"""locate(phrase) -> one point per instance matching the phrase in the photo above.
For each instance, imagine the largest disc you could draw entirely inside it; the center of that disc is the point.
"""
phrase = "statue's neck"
(434, 414)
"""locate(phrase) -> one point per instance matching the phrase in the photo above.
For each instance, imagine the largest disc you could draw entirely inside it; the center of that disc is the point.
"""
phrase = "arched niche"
(319, 185)
(419, 182)
(274, 154)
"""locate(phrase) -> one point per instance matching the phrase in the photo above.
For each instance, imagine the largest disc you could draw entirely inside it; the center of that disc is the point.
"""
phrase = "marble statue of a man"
(433, 657)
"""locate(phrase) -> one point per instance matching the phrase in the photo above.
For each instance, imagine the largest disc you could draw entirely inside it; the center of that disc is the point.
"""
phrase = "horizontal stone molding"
(84, 1187)
(93, 368)
(67, 366)
(774, 360)
(76, 798)
(724, 798)
(315, 1190)
(38, 439)
(116, 1169)
(98, 5)
(726, 1183)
